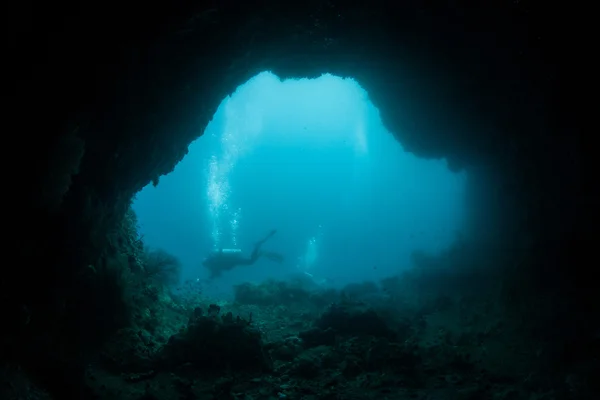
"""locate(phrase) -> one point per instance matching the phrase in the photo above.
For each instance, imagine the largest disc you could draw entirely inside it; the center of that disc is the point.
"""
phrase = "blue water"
(312, 159)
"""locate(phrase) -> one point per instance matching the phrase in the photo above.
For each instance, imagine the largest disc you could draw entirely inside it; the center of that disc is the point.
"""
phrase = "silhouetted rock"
(354, 319)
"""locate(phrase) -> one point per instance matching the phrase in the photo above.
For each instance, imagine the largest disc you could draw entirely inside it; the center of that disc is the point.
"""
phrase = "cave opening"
(312, 159)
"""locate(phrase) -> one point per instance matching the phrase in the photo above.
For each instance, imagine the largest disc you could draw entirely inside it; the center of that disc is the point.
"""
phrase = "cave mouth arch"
(312, 158)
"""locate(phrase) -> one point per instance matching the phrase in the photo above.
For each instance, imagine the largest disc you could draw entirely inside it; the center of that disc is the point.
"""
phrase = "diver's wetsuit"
(219, 262)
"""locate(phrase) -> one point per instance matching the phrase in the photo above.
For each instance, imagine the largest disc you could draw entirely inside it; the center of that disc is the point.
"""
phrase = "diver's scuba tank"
(231, 251)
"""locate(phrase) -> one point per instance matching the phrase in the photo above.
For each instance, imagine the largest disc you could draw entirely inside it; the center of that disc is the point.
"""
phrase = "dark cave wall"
(137, 97)
(119, 93)
(120, 105)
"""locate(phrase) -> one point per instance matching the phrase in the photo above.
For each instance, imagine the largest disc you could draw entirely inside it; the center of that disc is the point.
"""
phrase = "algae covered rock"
(271, 293)
(130, 350)
(354, 319)
(216, 342)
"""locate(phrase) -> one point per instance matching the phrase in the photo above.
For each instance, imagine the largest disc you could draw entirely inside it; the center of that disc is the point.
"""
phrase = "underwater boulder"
(272, 293)
(217, 342)
(318, 337)
(354, 319)
(130, 350)
(359, 291)
(248, 293)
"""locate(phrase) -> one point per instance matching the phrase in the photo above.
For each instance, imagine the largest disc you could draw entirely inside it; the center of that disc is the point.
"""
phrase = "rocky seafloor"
(286, 340)
(449, 328)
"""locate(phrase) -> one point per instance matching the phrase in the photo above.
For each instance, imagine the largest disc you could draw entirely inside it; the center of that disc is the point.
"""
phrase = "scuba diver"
(227, 259)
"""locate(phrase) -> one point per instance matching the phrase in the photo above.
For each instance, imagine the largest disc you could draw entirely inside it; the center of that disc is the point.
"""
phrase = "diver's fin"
(260, 242)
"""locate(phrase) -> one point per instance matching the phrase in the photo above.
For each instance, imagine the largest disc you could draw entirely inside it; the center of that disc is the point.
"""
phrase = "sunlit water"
(311, 159)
